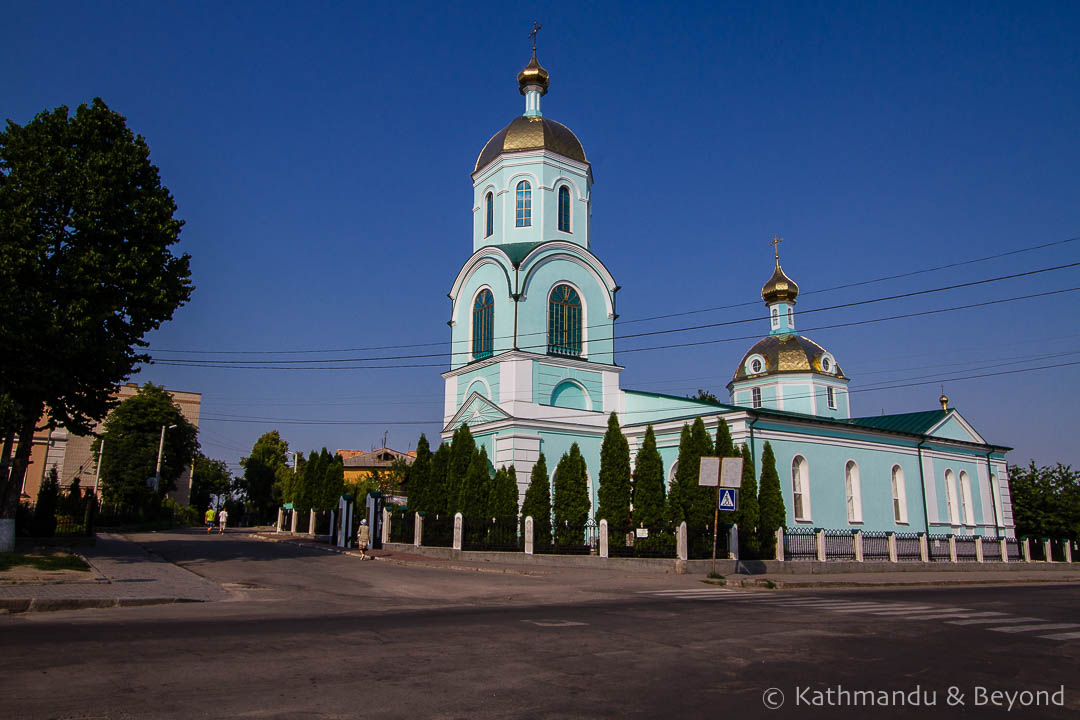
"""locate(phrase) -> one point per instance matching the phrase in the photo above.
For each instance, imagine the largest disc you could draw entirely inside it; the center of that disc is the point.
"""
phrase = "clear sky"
(320, 155)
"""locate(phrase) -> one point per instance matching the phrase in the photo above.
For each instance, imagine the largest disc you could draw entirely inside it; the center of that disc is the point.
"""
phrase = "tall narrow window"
(791, 318)
(564, 209)
(755, 397)
(775, 315)
(483, 328)
(899, 495)
(564, 322)
(966, 506)
(853, 491)
(489, 209)
(800, 489)
(950, 497)
(831, 394)
(523, 216)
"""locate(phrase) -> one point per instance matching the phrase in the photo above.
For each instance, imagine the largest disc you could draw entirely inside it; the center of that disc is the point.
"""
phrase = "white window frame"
(853, 492)
(791, 318)
(950, 497)
(899, 493)
(800, 486)
(774, 313)
(966, 503)
(830, 395)
(755, 398)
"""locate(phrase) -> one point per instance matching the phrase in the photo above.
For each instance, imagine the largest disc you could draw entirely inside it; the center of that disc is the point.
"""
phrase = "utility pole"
(160, 451)
(97, 468)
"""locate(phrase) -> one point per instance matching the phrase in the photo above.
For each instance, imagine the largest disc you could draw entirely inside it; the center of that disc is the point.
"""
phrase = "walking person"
(223, 518)
(209, 519)
(363, 534)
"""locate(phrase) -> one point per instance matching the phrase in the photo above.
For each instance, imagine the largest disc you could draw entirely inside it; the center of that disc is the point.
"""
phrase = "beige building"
(360, 464)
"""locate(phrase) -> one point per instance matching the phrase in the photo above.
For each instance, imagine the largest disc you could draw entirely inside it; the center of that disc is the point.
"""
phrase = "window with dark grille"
(564, 322)
(523, 216)
(564, 209)
(483, 332)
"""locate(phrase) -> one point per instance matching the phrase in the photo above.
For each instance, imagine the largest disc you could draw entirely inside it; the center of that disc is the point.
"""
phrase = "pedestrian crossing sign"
(729, 499)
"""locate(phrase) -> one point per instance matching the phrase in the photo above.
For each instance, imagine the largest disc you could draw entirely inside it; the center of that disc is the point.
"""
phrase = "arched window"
(967, 513)
(950, 497)
(774, 313)
(523, 215)
(800, 489)
(483, 325)
(791, 318)
(564, 322)
(489, 209)
(853, 492)
(564, 209)
(899, 495)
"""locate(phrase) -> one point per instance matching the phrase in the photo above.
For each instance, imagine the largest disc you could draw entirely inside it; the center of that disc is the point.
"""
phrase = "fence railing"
(991, 549)
(66, 520)
(800, 543)
(656, 541)
(937, 548)
(965, 548)
(402, 526)
(908, 547)
(438, 530)
(571, 539)
(491, 534)
(839, 545)
(875, 545)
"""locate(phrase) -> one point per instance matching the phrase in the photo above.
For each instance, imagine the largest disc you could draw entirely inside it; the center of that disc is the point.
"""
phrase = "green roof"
(916, 423)
(518, 251)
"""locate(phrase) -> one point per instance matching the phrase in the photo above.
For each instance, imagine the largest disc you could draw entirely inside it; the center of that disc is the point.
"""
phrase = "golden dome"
(789, 353)
(533, 74)
(532, 133)
(779, 287)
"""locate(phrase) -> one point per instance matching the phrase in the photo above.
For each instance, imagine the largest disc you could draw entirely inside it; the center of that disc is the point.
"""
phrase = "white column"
(978, 549)
(780, 544)
(1047, 550)
(952, 548)
(280, 520)
(819, 538)
(529, 543)
(1068, 550)
(418, 529)
(682, 542)
(1027, 550)
(603, 538)
(292, 525)
(311, 523)
(385, 525)
(892, 547)
(857, 541)
(457, 531)
(924, 548)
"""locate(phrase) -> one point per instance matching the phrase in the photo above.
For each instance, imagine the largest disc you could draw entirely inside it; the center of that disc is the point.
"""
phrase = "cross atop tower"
(535, 30)
(776, 240)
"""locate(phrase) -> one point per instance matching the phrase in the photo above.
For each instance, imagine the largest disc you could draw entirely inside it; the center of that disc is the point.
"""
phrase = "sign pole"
(715, 527)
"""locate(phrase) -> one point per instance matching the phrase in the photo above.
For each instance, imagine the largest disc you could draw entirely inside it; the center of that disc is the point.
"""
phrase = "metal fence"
(937, 547)
(402, 526)
(875, 545)
(1057, 550)
(438, 531)
(839, 545)
(491, 534)
(1013, 547)
(908, 547)
(800, 543)
(657, 541)
(992, 549)
(699, 541)
(573, 539)
(965, 548)
(63, 521)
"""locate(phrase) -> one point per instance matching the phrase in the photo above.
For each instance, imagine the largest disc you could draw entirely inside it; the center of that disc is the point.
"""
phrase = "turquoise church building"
(532, 367)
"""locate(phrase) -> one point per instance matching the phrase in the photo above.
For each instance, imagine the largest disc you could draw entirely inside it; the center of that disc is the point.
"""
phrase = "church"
(532, 368)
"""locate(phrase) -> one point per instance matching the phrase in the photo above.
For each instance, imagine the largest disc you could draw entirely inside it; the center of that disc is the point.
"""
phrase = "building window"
(950, 497)
(899, 495)
(564, 209)
(755, 397)
(483, 325)
(775, 314)
(853, 492)
(755, 365)
(523, 217)
(489, 203)
(564, 322)
(800, 489)
(966, 507)
(791, 318)
(831, 394)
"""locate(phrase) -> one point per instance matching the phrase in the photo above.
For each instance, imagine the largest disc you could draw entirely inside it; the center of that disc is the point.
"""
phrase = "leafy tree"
(687, 500)
(72, 502)
(613, 494)
(420, 476)
(1046, 501)
(210, 479)
(570, 503)
(462, 450)
(476, 489)
(648, 483)
(47, 500)
(503, 502)
(132, 435)
(85, 232)
(703, 396)
(770, 503)
(748, 516)
(265, 472)
(437, 493)
(537, 504)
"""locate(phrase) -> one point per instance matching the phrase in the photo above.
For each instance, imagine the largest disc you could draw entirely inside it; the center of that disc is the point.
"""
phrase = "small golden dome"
(780, 287)
(531, 133)
(533, 74)
(788, 353)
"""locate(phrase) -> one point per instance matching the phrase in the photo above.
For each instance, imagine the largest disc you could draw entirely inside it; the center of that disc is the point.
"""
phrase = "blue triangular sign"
(727, 499)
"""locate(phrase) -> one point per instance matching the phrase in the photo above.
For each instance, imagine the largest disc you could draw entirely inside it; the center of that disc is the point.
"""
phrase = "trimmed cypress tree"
(537, 504)
(613, 495)
(420, 475)
(748, 515)
(502, 503)
(570, 505)
(437, 497)
(462, 450)
(333, 485)
(648, 484)
(687, 500)
(770, 503)
(476, 488)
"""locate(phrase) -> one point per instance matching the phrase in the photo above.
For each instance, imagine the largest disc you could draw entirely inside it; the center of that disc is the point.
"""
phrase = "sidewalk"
(124, 574)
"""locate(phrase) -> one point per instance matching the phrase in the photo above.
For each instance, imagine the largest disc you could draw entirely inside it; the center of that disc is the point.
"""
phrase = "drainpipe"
(922, 487)
(516, 297)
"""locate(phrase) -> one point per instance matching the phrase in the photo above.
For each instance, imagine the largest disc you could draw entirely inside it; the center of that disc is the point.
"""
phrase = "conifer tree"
(462, 450)
(748, 515)
(770, 503)
(687, 500)
(437, 492)
(570, 504)
(333, 484)
(724, 448)
(419, 476)
(537, 504)
(613, 495)
(476, 488)
(502, 503)
(648, 483)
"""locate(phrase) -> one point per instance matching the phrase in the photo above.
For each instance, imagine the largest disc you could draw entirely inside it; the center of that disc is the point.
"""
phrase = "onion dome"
(533, 74)
(780, 287)
(532, 133)
(788, 353)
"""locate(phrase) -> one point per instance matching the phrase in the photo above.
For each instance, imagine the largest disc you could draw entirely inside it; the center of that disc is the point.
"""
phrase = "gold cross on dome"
(536, 29)
(776, 240)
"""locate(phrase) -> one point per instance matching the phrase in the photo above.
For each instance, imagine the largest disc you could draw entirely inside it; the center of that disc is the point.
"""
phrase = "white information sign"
(731, 472)
(710, 471)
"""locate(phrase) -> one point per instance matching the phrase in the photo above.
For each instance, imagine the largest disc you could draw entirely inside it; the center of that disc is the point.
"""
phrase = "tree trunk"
(9, 491)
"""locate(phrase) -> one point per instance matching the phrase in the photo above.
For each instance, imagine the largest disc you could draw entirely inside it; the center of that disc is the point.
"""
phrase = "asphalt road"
(309, 634)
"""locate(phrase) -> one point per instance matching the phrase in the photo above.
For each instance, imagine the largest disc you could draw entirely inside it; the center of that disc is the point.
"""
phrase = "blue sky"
(320, 156)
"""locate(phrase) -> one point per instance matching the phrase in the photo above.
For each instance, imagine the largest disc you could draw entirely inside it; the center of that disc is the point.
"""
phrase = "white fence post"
(385, 525)
(1068, 550)
(1048, 550)
(780, 544)
(529, 535)
(1003, 546)
(418, 530)
(952, 548)
(892, 547)
(856, 540)
(682, 543)
(978, 549)
(819, 539)
(603, 538)
(280, 520)
(1027, 550)
(924, 548)
(457, 530)
(292, 525)
(311, 523)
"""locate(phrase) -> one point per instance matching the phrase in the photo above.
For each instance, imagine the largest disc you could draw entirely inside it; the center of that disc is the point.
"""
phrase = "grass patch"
(770, 584)
(715, 576)
(42, 562)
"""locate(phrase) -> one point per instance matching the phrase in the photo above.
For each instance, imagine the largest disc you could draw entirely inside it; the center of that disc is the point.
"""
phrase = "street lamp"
(160, 450)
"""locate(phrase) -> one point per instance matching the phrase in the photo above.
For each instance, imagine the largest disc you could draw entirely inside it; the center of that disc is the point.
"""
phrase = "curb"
(786, 584)
(21, 605)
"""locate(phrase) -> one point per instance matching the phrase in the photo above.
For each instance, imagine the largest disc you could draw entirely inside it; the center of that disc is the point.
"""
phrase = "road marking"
(960, 614)
(1033, 628)
(917, 610)
(995, 620)
(554, 623)
(704, 591)
(1063, 636)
